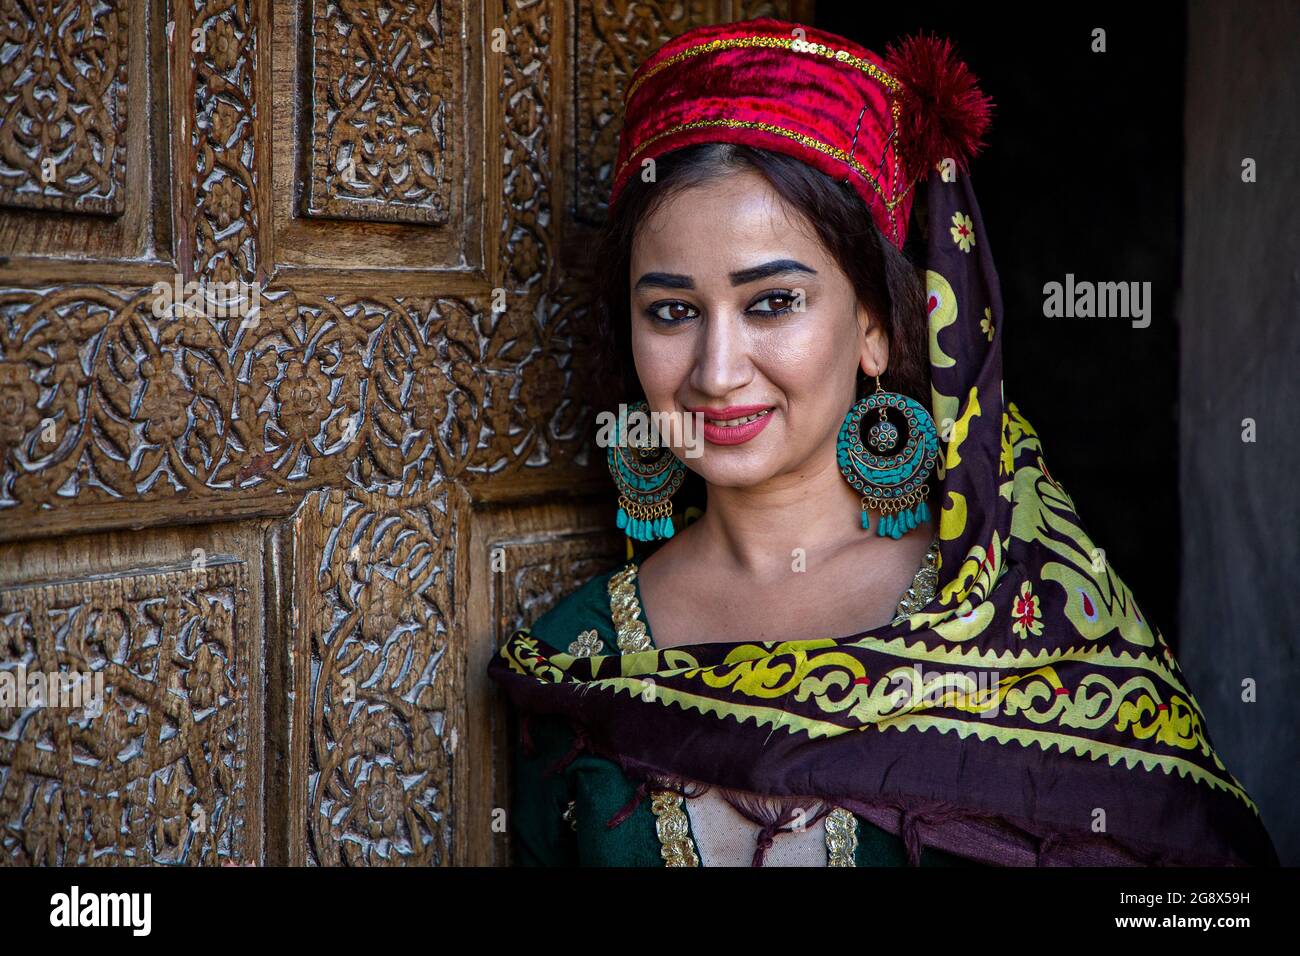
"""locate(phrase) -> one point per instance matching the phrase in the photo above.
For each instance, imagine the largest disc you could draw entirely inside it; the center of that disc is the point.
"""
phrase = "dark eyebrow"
(665, 280)
(775, 267)
(672, 280)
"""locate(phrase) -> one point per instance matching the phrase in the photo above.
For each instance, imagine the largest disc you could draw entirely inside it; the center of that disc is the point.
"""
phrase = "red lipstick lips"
(733, 434)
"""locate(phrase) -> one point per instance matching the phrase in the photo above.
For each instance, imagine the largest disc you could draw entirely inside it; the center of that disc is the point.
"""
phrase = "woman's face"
(735, 302)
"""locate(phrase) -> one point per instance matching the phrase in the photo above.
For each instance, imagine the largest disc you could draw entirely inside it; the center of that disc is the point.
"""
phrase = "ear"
(874, 353)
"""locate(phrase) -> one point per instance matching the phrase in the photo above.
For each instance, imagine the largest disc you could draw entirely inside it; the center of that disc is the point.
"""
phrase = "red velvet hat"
(879, 124)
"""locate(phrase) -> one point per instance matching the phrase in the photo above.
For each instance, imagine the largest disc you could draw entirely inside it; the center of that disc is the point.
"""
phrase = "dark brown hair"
(883, 278)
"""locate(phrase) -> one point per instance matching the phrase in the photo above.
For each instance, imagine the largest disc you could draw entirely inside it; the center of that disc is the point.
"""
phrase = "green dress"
(558, 819)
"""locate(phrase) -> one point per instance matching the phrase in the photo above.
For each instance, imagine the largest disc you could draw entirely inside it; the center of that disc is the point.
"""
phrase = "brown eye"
(777, 303)
(670, 312)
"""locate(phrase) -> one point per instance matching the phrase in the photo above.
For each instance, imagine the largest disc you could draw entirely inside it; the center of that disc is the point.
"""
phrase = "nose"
(722, 361)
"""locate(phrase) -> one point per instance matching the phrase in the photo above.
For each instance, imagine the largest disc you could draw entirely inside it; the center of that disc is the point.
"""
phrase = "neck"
(756, 531)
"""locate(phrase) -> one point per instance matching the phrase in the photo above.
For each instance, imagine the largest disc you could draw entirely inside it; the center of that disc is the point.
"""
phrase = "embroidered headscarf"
(1029, 713)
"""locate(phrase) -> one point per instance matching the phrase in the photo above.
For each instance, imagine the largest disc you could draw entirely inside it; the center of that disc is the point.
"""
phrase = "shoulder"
(580, 611)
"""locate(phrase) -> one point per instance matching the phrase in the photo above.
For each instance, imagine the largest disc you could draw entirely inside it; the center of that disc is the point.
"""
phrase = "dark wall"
(1082, 175)
(1240, 347)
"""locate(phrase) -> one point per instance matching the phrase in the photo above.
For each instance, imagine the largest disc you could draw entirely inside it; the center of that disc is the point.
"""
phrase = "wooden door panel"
(77, 162)
(375, 677)
(388, 111)
(169, 771)
(378, 139)
(77, 183)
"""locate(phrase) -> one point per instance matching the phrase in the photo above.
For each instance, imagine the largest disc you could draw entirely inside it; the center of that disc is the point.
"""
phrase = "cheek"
(806, 362)
(662, 361)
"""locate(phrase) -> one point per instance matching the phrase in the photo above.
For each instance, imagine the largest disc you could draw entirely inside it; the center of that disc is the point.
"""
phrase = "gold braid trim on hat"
(833, 151)
(794, 44)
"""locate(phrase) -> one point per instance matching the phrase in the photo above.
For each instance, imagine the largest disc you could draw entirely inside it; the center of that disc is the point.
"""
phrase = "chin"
(754, 470)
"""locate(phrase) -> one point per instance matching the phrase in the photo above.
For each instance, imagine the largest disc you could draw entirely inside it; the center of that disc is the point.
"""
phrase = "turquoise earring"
(647, 476)
(891, 466)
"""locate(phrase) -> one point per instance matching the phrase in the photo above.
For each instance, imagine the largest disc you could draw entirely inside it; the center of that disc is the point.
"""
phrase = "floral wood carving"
(384, 86)
(220, 243)
(545, 309)
(101, 401)
(159, 775)
(539, 574)
(526, 147)
(63, 104)
(376, 661)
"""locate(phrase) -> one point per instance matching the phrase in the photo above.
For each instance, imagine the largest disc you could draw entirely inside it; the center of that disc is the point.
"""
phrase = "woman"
(888, 639)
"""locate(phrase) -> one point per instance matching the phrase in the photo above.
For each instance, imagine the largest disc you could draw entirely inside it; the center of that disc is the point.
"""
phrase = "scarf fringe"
(765, 838)
(640, 794)
(580, 743)
(913, 816)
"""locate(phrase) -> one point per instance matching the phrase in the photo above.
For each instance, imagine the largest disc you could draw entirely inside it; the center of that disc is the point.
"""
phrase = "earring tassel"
(645, 529)
(896, 525)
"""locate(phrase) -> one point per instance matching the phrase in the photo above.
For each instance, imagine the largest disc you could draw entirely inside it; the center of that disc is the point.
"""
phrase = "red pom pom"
(943, 113)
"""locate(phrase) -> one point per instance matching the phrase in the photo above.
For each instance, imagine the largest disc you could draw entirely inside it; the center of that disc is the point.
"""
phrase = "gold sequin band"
(841, 837)
(794, 44)
(924, 584)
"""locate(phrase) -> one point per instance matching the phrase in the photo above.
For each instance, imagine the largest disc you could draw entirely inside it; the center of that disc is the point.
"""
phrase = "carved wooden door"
(292, 312)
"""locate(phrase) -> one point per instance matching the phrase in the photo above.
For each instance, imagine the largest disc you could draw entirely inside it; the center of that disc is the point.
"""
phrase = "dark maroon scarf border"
(1018, 805)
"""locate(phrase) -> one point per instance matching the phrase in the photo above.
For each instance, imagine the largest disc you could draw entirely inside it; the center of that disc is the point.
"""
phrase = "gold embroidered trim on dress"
(625, 609)
(677, 846)
(587, 644)
(673, 828)
(841, 837)
(923, 586)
